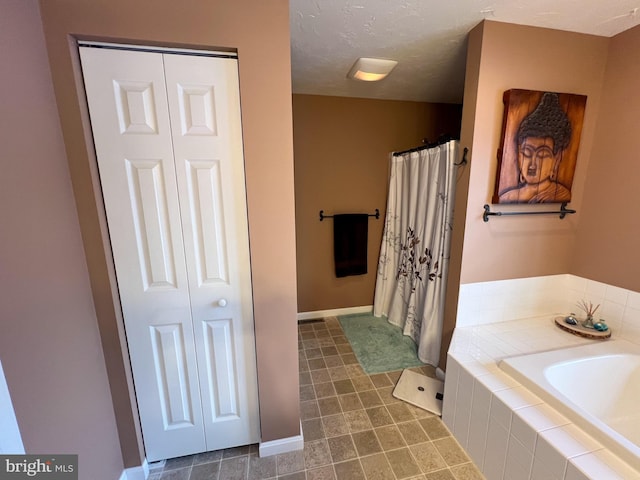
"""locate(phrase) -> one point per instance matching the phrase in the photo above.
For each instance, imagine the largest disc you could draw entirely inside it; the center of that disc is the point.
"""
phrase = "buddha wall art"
(539, 146)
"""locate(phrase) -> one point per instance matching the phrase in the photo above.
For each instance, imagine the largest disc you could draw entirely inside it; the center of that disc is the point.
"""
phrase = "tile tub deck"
(508, 431)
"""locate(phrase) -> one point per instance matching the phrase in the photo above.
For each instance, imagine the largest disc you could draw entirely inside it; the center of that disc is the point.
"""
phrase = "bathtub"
(596, 386)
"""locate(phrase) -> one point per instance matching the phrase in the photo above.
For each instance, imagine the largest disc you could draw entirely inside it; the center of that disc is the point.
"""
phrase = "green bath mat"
(379, 345)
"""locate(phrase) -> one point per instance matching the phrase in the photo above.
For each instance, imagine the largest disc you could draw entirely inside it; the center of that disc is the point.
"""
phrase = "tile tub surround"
(506, 300)
(507, 431)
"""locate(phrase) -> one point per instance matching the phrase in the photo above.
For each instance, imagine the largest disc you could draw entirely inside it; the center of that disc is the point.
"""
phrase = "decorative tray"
(581, 331)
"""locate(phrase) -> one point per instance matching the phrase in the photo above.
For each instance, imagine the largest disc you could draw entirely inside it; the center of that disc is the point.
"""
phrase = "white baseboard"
(136, 473)
(282, 445)
(335, 312)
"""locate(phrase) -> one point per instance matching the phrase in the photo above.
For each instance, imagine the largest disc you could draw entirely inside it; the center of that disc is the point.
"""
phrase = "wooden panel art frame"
(539, 146)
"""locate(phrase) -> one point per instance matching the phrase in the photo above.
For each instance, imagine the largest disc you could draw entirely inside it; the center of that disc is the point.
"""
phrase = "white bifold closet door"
(167, 134)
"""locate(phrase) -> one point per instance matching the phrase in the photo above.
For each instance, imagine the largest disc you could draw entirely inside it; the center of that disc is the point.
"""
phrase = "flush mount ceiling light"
(371, 69)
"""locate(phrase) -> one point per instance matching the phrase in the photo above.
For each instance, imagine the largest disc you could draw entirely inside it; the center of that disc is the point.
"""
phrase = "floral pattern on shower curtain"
(412, 268)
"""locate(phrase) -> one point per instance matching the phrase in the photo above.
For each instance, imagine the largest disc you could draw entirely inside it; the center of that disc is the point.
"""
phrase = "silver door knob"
(222, 302)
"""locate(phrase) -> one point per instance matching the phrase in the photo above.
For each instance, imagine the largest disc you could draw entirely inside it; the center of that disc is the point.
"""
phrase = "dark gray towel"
(350, 232)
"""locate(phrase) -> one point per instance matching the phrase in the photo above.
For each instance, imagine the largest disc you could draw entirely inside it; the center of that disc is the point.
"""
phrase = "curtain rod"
(441, 140)
(417, 149)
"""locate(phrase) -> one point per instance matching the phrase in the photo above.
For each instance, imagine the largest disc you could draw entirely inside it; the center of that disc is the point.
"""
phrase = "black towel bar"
(564, 211)
(323, 216)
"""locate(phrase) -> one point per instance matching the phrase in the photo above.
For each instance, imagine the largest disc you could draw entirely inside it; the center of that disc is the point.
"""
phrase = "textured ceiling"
(426, 37)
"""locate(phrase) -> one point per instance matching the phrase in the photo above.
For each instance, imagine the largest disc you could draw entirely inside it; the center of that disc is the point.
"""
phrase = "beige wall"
(514, 56)
(500, 57)
(599, 242)
(265, 91)
(342, 150)
(607, 247)
(49, 341)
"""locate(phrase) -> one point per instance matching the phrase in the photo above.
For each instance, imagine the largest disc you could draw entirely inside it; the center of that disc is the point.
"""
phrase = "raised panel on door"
(132, 134)
(203, 96)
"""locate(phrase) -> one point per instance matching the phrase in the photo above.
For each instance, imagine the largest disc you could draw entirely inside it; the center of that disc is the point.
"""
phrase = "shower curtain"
(414, 256)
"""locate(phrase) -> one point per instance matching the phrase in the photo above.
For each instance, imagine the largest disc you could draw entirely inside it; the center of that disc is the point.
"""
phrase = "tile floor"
(354, 429)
